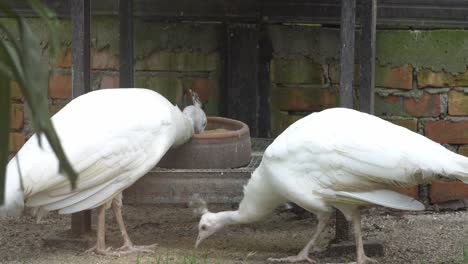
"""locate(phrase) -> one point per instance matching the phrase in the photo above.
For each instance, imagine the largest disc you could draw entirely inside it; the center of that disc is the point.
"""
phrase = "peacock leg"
(361, 256)
(128, 246)
(323, 219)
(100, 247)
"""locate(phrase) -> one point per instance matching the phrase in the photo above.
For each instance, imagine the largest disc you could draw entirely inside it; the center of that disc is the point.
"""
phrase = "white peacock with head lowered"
(338, 158)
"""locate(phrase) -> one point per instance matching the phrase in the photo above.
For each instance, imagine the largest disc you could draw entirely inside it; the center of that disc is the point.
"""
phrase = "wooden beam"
(348, 13)
(264, 82)
(241, 73)
(367, 61)
(80, 17)
(126, 43)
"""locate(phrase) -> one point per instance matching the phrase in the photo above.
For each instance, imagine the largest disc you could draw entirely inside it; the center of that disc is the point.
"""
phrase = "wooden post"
(80, 17)
(241, 73)
(264, 82)
(126, 43)
(348, 13)
(367, 62)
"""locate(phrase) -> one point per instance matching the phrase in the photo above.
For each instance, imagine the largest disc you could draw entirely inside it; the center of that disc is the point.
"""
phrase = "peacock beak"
(199, 239)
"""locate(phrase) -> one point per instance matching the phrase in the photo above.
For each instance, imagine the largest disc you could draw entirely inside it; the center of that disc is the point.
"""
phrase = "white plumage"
(339, 158)
(112, 138)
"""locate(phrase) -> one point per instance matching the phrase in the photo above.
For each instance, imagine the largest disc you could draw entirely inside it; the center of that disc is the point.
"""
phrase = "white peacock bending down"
(112, 137)
(338, 158)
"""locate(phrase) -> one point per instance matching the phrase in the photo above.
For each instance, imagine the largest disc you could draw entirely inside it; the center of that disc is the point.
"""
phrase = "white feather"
(112, 137)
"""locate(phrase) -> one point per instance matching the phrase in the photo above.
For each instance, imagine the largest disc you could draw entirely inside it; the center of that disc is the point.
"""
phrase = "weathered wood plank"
(367, 61)
(394, 13)
(241, 73)
(80, 16)
(348, 13)
(264, 82)
(126, 43)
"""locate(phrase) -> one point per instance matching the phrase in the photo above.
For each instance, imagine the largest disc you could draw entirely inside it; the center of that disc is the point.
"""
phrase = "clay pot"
(214, 150)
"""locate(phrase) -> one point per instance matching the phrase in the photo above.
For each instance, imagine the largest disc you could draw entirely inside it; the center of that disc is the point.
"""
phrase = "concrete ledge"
(176, 186)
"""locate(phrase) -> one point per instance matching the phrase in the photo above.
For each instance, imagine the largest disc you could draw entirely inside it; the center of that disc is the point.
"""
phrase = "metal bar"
(348, 11)
(80, 17)
(126, 43)
(367, 62)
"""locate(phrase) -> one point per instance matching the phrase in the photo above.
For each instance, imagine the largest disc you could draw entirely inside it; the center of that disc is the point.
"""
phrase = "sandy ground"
(407, 238)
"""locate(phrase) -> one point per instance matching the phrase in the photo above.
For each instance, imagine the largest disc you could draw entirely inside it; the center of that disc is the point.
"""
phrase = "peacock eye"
(203, 227)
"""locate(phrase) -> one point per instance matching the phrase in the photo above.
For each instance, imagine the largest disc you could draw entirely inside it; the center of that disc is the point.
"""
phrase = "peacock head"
(196, 114)
(209, 224)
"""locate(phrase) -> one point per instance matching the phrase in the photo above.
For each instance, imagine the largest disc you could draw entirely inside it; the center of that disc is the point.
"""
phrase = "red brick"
(394, 77)
(202, 86)
(303, 99)
(429, 78)
(16, 141)
(410, 191)
(447, 191)
(428, 105)
(15, 91)
(102, 59)
(64, 58)
(109, 81)
(457, 103)
(444, 131)
(17, 116)
(411, 124)
(60, 86)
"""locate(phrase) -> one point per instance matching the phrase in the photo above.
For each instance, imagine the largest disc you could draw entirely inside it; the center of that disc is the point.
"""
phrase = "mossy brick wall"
(168, 57)
(421, 76)
(421, 83)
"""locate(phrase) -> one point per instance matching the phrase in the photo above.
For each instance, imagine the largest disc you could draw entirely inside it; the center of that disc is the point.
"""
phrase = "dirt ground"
(407, 238)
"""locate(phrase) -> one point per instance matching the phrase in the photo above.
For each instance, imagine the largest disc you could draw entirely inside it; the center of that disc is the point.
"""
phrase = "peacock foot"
(293, 259)
(130, 248)
(103, 251)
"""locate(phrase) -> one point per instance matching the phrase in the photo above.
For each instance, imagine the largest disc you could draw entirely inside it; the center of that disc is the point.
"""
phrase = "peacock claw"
(292, 259)
(127, 249)
(105, 252)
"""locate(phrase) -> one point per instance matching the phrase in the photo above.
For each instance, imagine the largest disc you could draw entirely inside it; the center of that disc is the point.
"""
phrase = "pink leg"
(127, 246)
(100, 247)
(304, 254)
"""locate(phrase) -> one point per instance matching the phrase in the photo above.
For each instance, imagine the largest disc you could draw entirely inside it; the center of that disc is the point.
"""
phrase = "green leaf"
(22, 62)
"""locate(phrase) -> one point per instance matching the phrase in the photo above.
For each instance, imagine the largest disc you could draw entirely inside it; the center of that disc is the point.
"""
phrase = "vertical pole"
(80, 18)
(367, 62)
(126, 43)
(348, 13)
(264, 84)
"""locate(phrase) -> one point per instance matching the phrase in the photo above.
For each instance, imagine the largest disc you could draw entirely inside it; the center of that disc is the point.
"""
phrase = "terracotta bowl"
(224, 144)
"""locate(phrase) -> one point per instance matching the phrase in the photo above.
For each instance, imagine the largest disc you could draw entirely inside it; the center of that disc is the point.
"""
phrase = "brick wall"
(421, 76)
(421, 83)
(168, 58)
